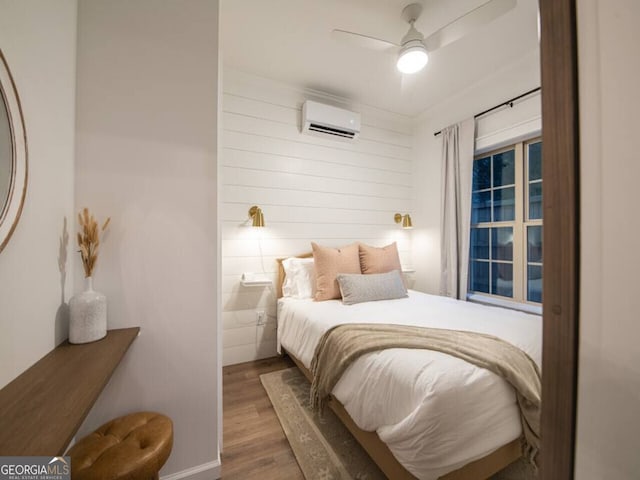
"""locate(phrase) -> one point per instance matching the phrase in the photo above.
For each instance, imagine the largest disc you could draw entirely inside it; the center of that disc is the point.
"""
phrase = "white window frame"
(519, 224)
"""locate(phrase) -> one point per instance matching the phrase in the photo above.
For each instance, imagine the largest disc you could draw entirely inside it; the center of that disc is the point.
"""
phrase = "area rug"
(323, 447)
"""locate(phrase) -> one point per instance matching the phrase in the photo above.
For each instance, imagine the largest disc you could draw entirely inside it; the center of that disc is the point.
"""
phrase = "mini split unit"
(328, 121)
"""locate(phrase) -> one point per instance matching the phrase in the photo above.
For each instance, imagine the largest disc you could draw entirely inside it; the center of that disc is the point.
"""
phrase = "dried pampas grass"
(89, 240)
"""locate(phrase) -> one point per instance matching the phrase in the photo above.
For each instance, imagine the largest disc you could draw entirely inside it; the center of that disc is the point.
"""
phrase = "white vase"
(88, 315)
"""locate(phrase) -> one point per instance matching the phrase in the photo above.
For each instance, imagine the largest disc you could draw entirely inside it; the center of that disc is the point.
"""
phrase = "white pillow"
(300, 278)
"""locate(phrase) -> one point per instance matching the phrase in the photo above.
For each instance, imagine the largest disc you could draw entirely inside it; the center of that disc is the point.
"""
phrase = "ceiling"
(291, 41)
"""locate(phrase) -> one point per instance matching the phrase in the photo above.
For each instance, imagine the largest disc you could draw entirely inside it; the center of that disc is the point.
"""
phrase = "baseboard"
(206, 471)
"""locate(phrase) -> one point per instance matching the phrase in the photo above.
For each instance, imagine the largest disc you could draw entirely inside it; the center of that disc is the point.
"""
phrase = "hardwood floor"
(254, 445)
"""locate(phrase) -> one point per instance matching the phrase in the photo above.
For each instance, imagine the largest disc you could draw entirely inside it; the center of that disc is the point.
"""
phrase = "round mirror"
(13, 155)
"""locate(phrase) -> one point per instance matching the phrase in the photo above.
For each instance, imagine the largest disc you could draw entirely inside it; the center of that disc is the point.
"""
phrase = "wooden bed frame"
(479, 469)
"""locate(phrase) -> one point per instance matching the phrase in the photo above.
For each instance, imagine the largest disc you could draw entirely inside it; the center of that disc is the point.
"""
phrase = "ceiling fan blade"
(364, 41)
(468, 22)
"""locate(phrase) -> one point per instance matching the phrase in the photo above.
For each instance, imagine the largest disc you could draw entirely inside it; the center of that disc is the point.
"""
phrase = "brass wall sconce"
(404, 219)
(255, 213)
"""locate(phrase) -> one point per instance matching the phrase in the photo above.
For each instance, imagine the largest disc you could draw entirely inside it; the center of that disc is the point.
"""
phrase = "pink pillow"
(329, 262)
(379, 260)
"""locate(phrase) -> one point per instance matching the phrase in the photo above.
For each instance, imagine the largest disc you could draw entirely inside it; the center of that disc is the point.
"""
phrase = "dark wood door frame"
(560, 139)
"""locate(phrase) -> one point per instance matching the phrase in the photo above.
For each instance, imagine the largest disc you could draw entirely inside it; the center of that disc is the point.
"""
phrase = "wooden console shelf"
(41, 410)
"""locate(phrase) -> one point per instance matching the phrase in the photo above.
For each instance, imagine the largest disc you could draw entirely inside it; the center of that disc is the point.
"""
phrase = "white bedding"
(435, 412)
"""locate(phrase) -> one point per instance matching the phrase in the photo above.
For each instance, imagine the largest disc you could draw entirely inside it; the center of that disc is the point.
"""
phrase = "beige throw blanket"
(343, 344)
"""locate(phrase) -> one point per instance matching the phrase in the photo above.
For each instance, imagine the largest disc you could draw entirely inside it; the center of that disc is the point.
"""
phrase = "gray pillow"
(356, 288)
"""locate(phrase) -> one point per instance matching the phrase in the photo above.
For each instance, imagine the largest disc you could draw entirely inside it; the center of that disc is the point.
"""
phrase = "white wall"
(38, 39)
(311, 189)
(492, 130)
(146, 156)
(609, 370)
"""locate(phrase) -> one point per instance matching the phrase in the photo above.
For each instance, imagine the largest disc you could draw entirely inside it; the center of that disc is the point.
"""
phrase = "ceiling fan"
(414, 48)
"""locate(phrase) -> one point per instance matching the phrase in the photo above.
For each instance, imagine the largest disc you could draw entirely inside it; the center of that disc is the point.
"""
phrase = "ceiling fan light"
(413, 57)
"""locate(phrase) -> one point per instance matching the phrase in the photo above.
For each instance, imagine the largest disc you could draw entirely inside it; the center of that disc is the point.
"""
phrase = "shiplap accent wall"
(311, 189)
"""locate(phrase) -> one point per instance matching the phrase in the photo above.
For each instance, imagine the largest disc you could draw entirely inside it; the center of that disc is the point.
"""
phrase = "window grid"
(520, 260)
(491, 261)
(530, 222)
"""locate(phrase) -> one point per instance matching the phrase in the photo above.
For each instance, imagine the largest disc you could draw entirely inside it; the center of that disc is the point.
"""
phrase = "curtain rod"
(503, 104)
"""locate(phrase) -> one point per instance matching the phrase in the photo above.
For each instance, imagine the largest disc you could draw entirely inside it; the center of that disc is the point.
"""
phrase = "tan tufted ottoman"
(133, 447)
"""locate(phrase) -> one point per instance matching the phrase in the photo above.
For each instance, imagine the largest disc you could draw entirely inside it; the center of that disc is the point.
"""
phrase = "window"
(505, 257)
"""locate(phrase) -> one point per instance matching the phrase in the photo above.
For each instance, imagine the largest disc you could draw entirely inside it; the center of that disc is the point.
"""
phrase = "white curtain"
(457, 170)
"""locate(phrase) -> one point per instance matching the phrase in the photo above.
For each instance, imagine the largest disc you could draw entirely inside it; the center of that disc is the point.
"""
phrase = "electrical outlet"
(261, 317)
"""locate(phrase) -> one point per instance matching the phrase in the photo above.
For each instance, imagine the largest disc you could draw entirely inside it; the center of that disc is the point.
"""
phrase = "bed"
(419, 413)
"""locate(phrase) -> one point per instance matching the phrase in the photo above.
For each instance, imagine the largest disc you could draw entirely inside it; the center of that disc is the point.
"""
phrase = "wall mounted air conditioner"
(328, 121)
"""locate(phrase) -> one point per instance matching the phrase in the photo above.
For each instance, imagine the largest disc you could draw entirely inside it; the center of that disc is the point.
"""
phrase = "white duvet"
(435, 412)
